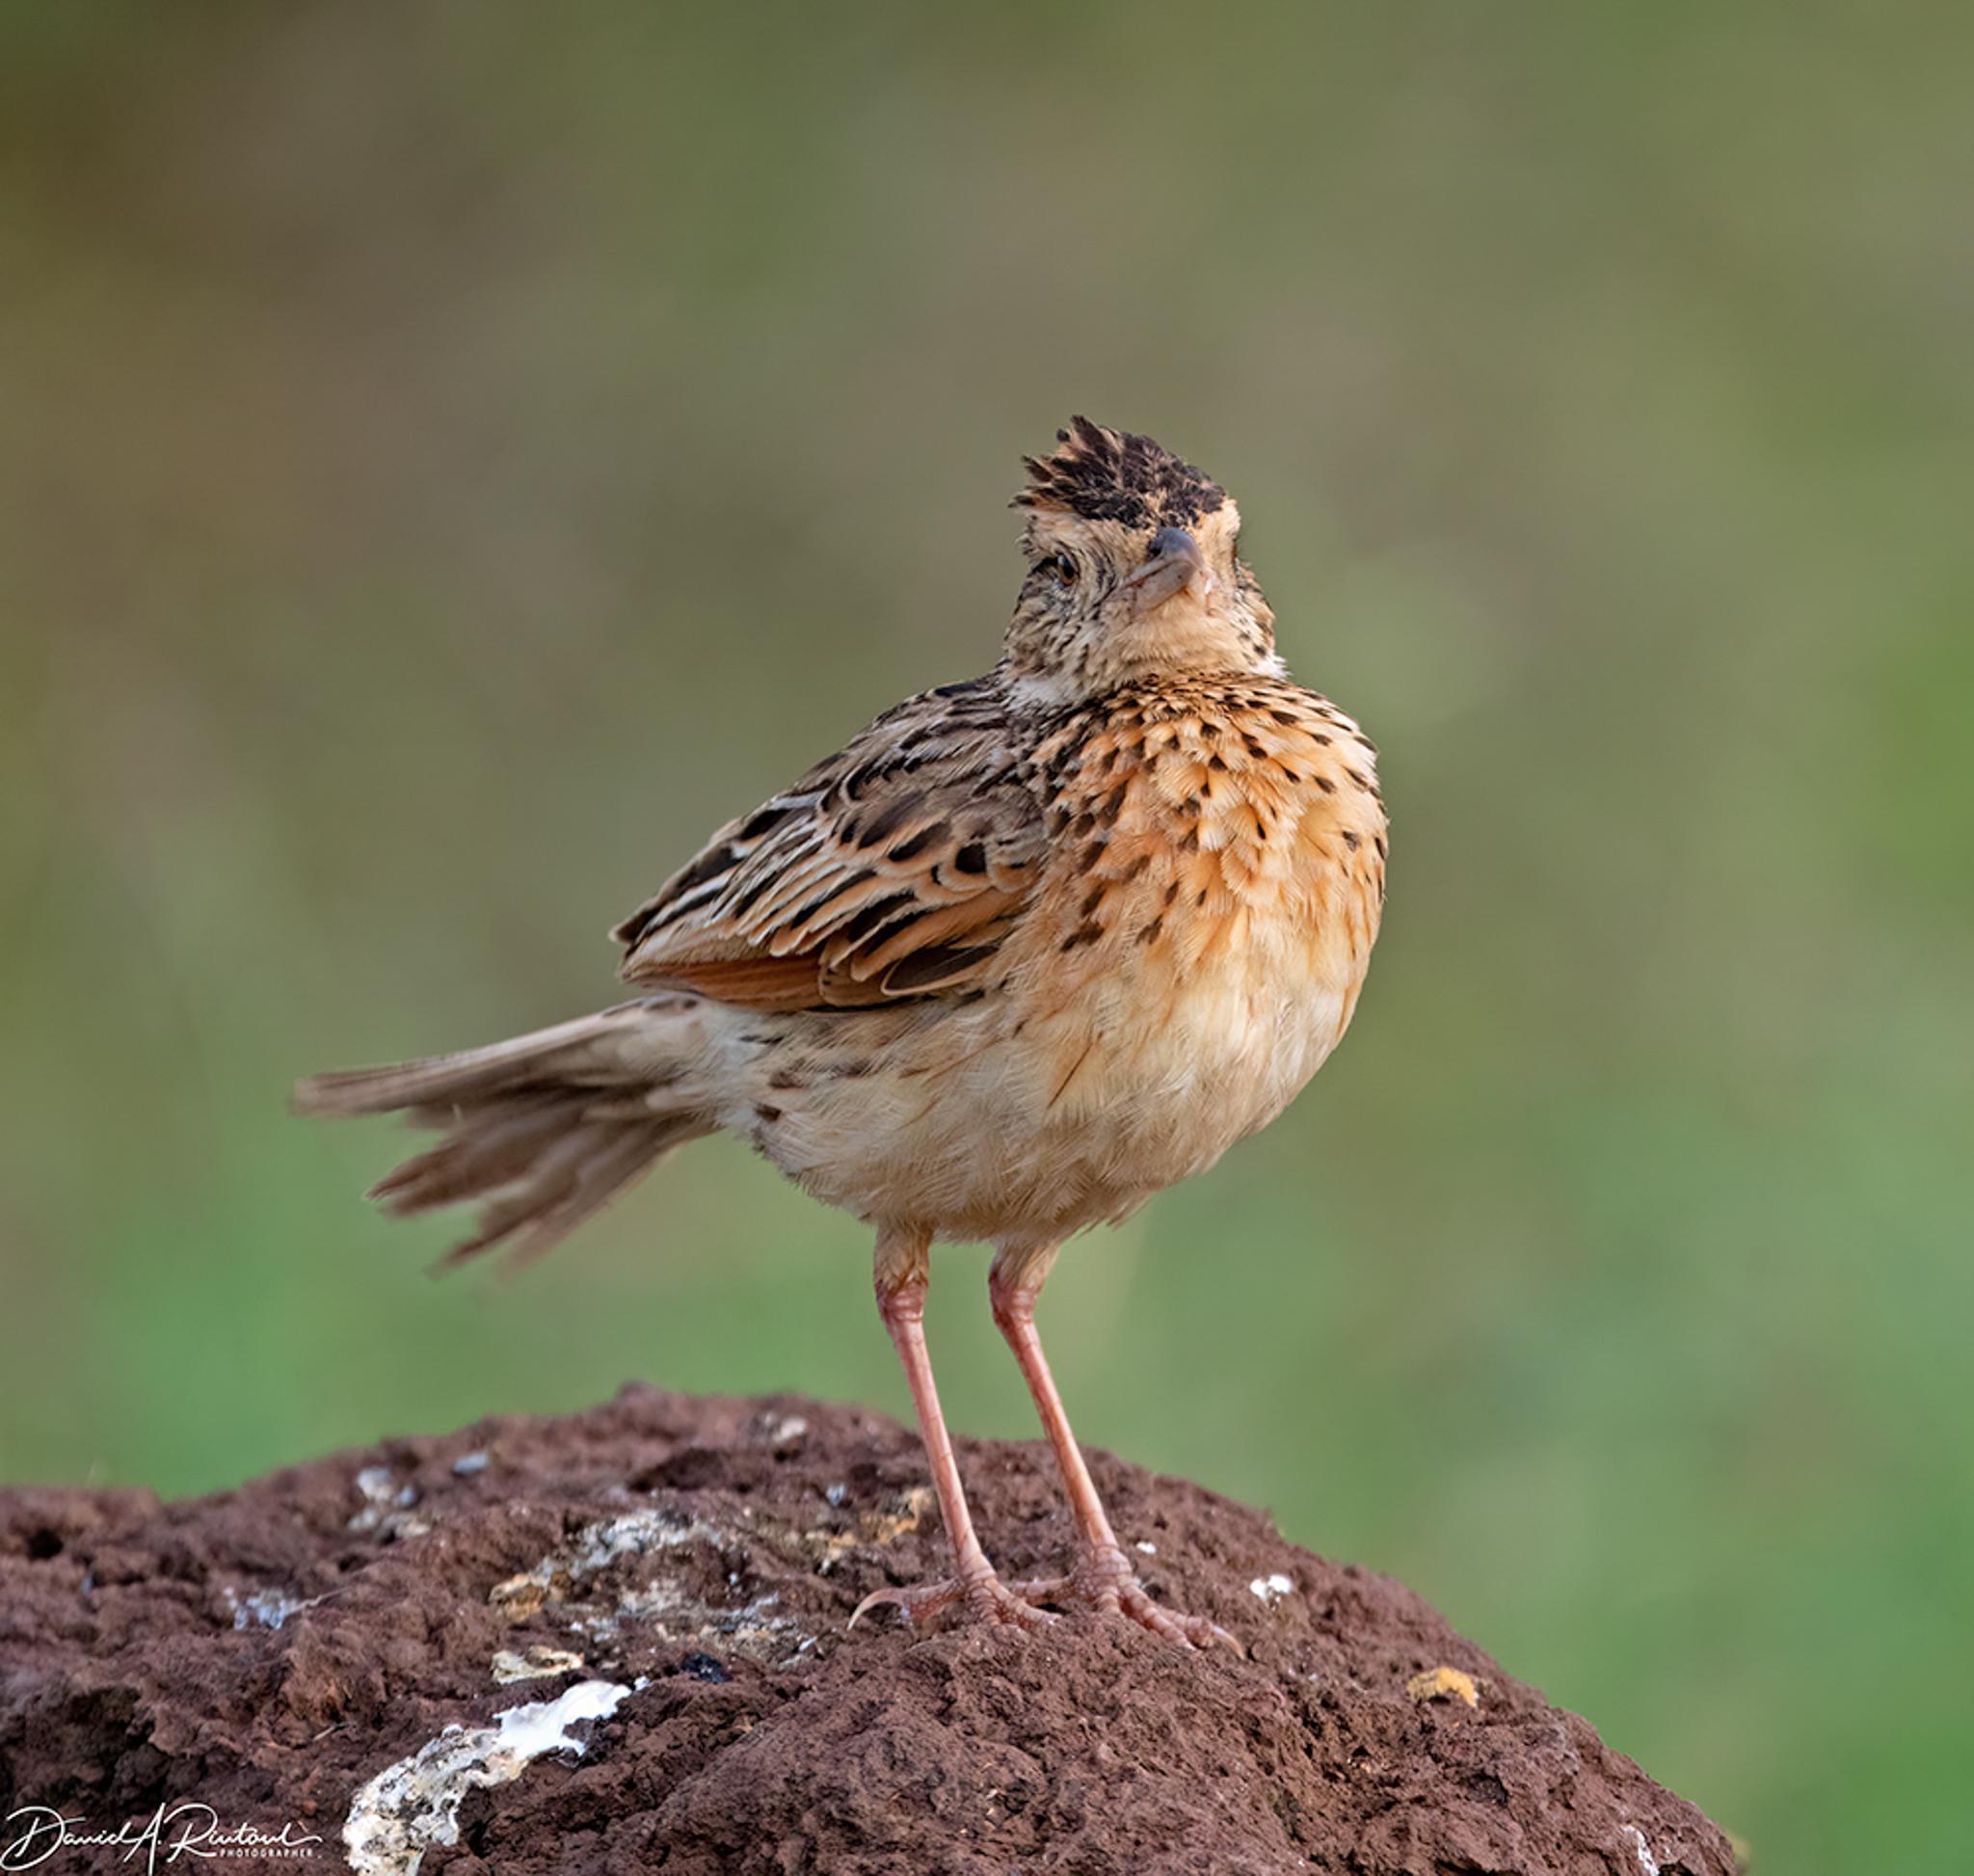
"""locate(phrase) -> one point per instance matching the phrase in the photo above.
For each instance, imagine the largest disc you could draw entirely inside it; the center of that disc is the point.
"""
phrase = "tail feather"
(570, 1182)
(615, 1048)
(509, 1138)
(546, 1128)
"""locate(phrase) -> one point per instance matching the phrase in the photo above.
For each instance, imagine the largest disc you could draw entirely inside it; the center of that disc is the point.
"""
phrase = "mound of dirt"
(618, 1641)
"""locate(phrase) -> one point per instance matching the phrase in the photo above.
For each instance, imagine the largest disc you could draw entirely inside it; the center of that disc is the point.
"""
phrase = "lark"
(1027, 950)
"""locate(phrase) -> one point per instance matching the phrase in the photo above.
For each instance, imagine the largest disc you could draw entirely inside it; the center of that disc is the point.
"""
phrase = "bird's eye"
(1059, 568)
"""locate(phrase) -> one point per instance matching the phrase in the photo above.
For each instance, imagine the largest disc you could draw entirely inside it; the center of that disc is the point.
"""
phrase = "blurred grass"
(452, 457)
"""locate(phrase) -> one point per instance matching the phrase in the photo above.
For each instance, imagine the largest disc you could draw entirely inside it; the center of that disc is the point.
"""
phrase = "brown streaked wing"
(892, 869)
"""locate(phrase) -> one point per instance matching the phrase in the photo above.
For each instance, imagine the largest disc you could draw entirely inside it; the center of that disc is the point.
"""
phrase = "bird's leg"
(902, 1275)
(1102, 1577)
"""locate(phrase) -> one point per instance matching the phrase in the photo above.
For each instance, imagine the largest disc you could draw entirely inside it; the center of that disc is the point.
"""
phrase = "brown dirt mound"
(654, 1593)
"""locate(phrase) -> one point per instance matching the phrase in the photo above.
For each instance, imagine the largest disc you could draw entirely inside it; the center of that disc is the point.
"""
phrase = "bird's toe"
(979, 1599)
(1134, 1602)
(1106, 1585)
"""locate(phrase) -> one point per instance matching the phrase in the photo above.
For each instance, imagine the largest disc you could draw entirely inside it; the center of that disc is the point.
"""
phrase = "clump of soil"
(618, 1641)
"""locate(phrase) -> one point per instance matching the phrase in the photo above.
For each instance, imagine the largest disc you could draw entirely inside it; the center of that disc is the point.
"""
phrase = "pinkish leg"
(1102, 1577)
(973, 1586)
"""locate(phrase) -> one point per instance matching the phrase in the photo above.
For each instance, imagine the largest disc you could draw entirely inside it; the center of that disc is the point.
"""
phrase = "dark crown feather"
(1114, 475)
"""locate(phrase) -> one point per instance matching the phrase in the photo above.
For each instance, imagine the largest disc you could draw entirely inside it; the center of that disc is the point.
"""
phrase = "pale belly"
(1017, 1122)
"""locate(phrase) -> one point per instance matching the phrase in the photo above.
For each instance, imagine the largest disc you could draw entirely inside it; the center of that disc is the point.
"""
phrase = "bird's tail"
(545, 1128)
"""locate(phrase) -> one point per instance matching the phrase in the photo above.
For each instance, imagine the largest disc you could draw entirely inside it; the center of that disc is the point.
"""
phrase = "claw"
(873, 1600)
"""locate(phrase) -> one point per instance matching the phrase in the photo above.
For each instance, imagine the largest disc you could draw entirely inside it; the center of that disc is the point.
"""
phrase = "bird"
(1027, 949)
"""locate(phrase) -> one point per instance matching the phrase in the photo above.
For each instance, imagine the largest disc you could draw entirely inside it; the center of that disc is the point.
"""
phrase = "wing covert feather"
(894, 869)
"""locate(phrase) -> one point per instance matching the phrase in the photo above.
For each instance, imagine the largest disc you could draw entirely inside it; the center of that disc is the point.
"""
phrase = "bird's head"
(1134, 571)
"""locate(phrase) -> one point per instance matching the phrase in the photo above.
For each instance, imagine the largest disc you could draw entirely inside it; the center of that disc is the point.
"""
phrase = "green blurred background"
(452, 457)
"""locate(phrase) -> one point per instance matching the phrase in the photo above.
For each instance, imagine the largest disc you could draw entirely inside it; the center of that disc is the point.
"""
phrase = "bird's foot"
(977, 1596)
(1105, 1581)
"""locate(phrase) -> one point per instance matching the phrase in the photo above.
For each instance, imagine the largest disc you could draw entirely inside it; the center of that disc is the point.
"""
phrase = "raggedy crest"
(1113, 476)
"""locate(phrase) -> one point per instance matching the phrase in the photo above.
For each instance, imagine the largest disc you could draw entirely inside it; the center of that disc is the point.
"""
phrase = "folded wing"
(892, 869)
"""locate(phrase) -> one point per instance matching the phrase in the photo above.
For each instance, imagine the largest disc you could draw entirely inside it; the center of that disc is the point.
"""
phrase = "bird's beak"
(1173, 564)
